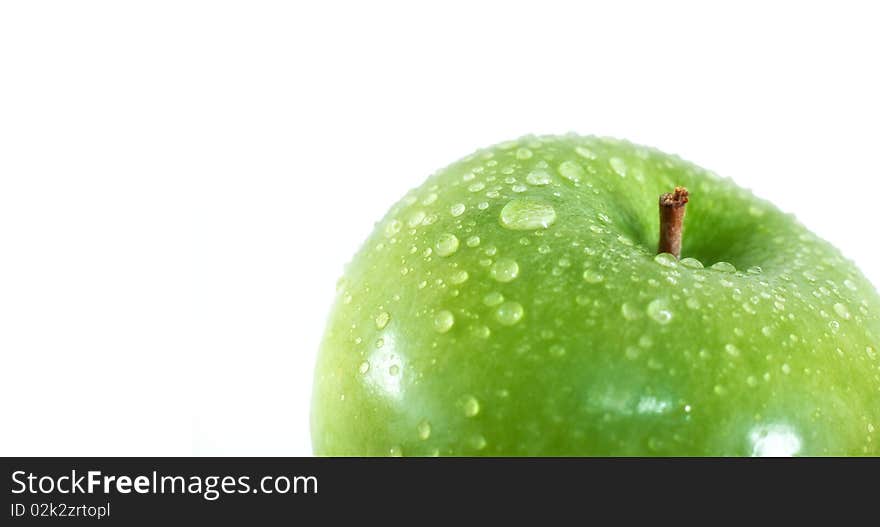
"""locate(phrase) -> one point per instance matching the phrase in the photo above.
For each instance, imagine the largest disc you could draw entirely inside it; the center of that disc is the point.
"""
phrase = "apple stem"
(672, 206)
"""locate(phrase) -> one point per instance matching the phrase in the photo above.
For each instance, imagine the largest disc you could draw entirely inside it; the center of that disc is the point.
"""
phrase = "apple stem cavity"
(672, 205)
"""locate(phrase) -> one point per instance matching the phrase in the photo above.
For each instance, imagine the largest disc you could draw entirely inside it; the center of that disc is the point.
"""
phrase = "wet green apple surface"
(514, 304)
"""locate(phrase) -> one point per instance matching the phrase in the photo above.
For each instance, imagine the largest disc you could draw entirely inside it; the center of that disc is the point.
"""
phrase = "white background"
(181, 183)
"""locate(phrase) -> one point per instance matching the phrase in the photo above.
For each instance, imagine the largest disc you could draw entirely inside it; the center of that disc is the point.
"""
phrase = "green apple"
(514, 304)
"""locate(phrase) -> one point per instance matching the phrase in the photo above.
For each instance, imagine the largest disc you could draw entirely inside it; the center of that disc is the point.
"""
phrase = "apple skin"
(591, 345)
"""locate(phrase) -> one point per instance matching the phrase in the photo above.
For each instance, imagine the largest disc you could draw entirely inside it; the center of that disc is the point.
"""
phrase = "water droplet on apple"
(618, 166)
(459, 277)
(755, 269)
(571, 171)
(493, 299)
(504, 270)
(443, 321)
(382, 320)
(842, 311)
(585, 152)
(430, 219)
(447, 244)
(556, 350)
(850, 284)
(523, 153)
(524, 214)
(629, 311)
(625, 241)
(786, 369)
(509, 313)
(457, 209)
(395, 451)
(416, 218)
(774, 440)
(731, 350)
(723, 267)
(473, 241)
(592, 277)
(659, 310)
(394, 370)
(482, 332)
(538, 177)
(692, 303)
(478, 441)
(691, 263)
(507, 145)
(424, 430)
(471, 406)
(666, 260)
(364, 367)
(393, 228)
